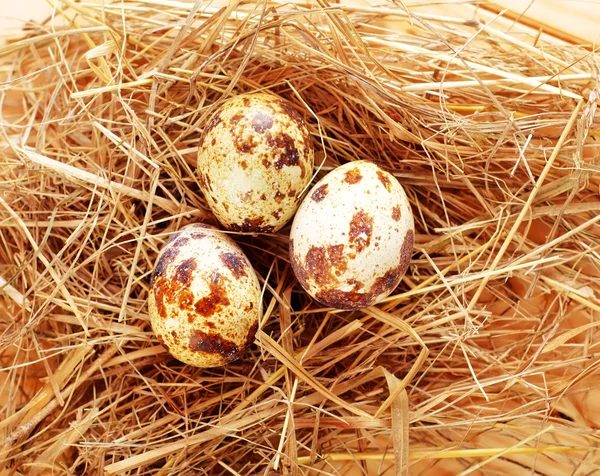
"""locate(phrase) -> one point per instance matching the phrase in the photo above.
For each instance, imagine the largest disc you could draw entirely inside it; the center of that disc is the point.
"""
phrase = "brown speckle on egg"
(315, 266)
(321, 262)
(244, 146)
(170, 288)
(161, 265)
(235, 263)
(407, 248)
(388, 281)
(210, 343)
(261, 122)
(253, 225)
(288, 156)
(193, 235)
(354, 299)
(353, 176)
(183, 273)
(320, 193)
(250, 335)
(216, 298)
(356, 284)
(344, 299)
(279, 196)
(361, 228)
(384, 178)
(291, 112)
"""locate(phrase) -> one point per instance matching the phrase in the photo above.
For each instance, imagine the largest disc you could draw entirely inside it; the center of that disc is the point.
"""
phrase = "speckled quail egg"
(352, 238)
(255, 159)
(204, 297)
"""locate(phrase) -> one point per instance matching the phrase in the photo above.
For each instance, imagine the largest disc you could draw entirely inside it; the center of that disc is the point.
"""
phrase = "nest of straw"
(482, 361)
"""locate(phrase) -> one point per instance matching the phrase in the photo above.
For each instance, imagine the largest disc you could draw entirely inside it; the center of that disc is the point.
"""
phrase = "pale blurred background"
(580, 19)
(14, 12)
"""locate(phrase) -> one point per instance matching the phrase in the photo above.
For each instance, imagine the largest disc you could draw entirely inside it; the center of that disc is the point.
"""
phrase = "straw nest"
(483, 360)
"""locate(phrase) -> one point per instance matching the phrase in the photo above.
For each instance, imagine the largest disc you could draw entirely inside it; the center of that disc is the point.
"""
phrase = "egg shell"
(204, 297)
(352, 238)
(255, 159)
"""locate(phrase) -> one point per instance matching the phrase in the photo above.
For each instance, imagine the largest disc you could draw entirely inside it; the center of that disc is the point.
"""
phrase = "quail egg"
(352, 237)
(255, 159)
(204, 297)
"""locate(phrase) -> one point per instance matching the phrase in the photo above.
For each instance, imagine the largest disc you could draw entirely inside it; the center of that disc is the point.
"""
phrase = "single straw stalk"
(446, 454)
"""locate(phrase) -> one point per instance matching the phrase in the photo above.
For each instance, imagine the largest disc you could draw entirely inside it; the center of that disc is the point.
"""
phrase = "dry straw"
(484, 360)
